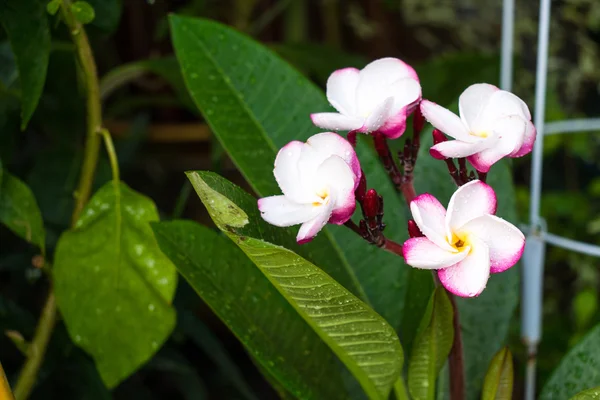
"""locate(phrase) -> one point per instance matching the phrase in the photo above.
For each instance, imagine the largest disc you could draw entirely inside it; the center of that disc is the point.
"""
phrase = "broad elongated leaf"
(431, 346)
(360, 338)
(420, 287)
(590, 394)
(26, 24)
(579, 369)
(113, 284)
(255, 103)
(498, 301)
(498, 382)
(19, 210)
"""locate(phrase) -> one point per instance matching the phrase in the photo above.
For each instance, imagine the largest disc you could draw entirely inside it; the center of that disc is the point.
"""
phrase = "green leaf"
(26, 24)
(578, 370)
(19, 210)
(83, 12)
(420, 288)
(53, 6)
(359, 337)
(498, 382)
(590, 394)
(255, 103)
(113, 284)
(431, 347)
(497, 303)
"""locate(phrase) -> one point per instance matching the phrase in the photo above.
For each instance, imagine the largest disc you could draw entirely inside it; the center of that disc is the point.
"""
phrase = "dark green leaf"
(498, 382)
(83, 12)
(255, 103)
(497, 303)
(113, 285)
(578, 370)
(590, 394)
(19, 210)
(420, 286)
(431, 346)
(359, 337)
(26, 24)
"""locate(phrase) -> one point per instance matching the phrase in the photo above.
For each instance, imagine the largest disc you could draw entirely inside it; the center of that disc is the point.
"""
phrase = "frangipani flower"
(493, 124)
(318, 179)
(467, 242)
(377, 98)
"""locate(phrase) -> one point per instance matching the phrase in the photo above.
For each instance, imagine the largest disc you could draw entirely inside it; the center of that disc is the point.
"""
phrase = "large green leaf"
(360, 338)
(498, 382)
(431, 346)
(19, 210)
(26, 24)
(579, 369)
(255, 103)
(590, 394)
(113, 284)
(498, 301)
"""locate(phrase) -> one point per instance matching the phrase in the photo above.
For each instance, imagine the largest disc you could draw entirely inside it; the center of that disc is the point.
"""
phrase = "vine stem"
(48, 315)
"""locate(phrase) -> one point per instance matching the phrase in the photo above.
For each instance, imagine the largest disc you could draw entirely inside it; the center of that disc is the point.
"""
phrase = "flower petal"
(378, 116)
(446, 121)
(335, 178)
(395, 125)
(504, 240)
(309, 229)
(457, 148)
(468, 277)
(336, 122)
(287, 173)
(281, 211)
(502, 104)
(472, 102)
(341, 90)
(470, 201)
(528, 141)
(429, 216)
(329, 143)
(420, 252)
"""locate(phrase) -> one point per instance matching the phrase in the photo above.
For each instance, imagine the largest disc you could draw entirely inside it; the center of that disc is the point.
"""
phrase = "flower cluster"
(322, 180)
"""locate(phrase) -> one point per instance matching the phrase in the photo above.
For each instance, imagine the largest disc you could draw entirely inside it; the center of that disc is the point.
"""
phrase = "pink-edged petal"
(343, 213)
(341, 90)
(378, 116)
(287, 173)
(470, 201)
(420, 252)
(430, 215)
(281, 211)
(472, 102)
(502, 104)
(446, 121)
(335, 179)
(405, 92)
(395, 125)
(309, 229)
(528, 141)
(468, 277)
(336, 122)
(505, 241)
(329, 143)
(457, 149)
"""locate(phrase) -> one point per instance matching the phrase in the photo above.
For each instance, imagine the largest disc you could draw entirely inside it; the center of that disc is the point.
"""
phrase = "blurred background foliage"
(159, 135)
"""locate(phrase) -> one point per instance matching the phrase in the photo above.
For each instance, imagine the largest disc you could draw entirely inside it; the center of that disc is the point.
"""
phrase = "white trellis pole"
(533, 258)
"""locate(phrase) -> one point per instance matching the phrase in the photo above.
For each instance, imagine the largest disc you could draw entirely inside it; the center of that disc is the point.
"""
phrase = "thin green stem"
(47, 319)
(37, 349)
(400, 390)
(112, 154)
(5, 393)
(182, 199)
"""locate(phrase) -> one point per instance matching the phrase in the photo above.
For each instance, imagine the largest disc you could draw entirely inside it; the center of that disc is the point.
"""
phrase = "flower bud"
(371, 204)
(418, 121)
(438, 136)
(361, 189)
(413, 229)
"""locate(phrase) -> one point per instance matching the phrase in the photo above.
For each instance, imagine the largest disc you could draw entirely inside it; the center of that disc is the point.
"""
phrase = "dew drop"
(151, 307)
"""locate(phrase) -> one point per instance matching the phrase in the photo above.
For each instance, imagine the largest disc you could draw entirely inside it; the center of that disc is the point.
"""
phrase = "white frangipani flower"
(377, 98)
(318, 179)
(493, 124)
(467, 242)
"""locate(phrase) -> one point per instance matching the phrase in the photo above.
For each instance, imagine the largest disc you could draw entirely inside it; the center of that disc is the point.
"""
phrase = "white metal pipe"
(506, 57)
(572, 126)
(569, 244)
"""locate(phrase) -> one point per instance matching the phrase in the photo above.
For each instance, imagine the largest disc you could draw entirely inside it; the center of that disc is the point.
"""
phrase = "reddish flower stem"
(456, 357)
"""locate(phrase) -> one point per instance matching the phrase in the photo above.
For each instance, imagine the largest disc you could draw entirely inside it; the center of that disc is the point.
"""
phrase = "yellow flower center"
(323, 194)
(479, 134)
